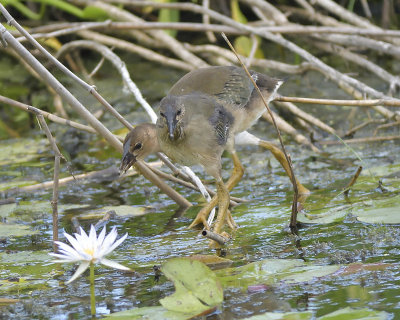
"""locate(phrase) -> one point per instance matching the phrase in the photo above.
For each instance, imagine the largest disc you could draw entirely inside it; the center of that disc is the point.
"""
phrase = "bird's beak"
(171, 123)
(128, 159)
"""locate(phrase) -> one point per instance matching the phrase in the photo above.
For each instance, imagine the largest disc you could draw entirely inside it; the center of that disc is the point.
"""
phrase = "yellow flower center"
(89, 251)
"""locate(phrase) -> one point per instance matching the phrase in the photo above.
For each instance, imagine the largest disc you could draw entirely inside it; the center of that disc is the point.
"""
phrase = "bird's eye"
(179, 112)
(138, 146)
(162, 114)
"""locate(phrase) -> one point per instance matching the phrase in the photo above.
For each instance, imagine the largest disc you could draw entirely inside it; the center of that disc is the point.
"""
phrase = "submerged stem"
(92, 296)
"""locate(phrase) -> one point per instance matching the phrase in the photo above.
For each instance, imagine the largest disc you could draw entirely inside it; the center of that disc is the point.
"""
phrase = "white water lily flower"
(89, 249)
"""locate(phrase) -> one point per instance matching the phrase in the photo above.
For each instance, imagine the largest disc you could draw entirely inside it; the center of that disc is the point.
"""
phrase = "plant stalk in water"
(92, 295)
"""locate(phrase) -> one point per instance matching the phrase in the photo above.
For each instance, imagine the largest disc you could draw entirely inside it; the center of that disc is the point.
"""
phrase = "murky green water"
(160, 234)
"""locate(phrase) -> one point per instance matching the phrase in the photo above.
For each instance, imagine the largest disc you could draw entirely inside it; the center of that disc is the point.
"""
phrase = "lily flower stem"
(92, 296)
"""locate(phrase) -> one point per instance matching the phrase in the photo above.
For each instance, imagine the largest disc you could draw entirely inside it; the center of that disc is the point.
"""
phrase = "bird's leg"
(229, 220)
(204, 212)
(237, 174)
(280, 156)
(223, 204)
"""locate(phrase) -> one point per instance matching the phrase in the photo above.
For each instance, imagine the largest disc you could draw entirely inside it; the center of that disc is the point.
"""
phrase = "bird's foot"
(201, 218)
(230, 222)
(302, 190)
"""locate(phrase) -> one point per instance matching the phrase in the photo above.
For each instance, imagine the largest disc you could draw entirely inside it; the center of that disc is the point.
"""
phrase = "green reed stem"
(92, 296)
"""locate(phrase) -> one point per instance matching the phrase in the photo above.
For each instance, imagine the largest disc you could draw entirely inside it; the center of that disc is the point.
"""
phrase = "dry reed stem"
(293, 218)
(141, 51)
(344, 103)
(352, 131)
(98, 175)
(352, 181)
(57, 157)
(361, 140)
(48, 115)
(385, 126)
(221, 240)
(72, 101)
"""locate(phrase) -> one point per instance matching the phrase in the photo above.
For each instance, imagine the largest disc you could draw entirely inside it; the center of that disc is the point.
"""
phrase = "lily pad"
(27, 211)
(380, 211)
(15, 230)
(282, 316)
(121, 211)
(7, 209)
(20, 284)
(211, 260)
(324, 216)
(126, 211)
(383, 215)
(21, 150)
(342, 314)
(197, 287)
(272, 271)
(309, 272)
(149, 313)
(381, 171)
(25, 270)
(385, 211)
(354, 314)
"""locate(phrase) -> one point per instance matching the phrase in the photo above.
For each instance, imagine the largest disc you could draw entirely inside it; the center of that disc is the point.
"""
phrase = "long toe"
(302, 189)
(230, 222)
(201, 218)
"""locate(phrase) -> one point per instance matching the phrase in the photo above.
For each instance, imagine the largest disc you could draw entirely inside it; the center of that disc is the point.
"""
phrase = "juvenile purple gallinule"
(191, 129)
(199, 118)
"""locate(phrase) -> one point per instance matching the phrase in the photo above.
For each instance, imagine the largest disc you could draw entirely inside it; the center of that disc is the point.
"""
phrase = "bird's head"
(172, 111)
(138, 144)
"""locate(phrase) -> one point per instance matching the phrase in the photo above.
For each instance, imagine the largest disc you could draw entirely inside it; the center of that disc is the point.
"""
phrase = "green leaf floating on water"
(382, 171)
(197, 287)
(7, 209)
(16, 230)
(26, 270)
(355, 314)
(342, 314)
(389, 215)
(21, 150)
(324, 216)
(27, 211)
(272, 271)
(197, 290)
(120, 211)
(282, 316)
(124, 210)
(149, 313)
(385, 211)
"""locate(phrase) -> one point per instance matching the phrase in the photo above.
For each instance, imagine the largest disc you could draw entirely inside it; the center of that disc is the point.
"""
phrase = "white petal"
(64, 258)
(81, 269)
(81, 239)
(82, 235)
(81, 244)
(92, 235)
(116, 244)
(68, 255)
(79, 253)
(63, 261)
(67, 250)
(74, 242)
(101, 237)
(113, 264)
(108, 241)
